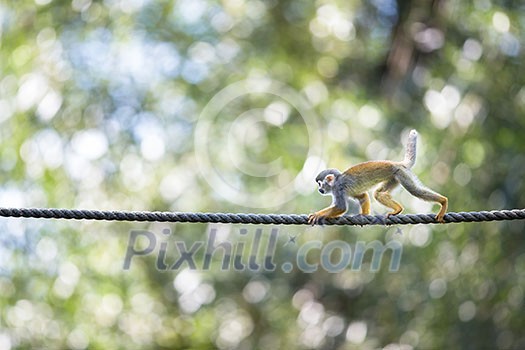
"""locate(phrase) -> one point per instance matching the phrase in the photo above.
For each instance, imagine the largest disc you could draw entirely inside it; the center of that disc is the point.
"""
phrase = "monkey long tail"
(410, 155)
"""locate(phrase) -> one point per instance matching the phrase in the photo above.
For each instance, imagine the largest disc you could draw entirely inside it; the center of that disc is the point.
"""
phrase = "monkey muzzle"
(321, 191)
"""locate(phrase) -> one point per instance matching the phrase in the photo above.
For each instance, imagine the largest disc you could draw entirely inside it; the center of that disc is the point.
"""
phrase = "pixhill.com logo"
(258, 251)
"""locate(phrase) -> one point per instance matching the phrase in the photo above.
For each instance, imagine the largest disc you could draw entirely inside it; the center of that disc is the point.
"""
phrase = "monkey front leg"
(364, 202)
(327, 213)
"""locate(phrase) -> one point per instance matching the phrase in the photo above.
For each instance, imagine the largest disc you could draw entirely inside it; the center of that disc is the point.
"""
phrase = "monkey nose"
(321, 191)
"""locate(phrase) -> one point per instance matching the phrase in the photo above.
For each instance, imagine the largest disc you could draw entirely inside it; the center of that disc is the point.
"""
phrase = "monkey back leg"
(417, 189)
(382, 195)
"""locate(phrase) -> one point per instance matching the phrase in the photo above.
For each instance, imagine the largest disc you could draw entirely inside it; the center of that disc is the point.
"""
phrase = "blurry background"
(101, 103)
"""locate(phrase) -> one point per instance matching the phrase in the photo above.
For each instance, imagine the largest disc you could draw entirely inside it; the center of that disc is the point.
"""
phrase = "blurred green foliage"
(100, 107)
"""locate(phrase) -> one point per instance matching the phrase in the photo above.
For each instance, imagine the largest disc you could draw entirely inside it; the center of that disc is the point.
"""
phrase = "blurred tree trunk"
(413, 35)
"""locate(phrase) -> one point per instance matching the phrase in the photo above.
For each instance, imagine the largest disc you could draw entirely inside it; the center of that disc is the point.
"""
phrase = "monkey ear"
(330, 179)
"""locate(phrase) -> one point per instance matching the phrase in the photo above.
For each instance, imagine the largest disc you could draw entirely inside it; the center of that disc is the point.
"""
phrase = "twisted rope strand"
(264, 219)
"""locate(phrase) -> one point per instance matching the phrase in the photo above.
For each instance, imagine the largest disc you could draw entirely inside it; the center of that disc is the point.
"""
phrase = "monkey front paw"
(315, 219)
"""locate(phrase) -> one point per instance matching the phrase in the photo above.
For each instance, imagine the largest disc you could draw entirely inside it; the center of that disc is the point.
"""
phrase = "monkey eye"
(319, 182)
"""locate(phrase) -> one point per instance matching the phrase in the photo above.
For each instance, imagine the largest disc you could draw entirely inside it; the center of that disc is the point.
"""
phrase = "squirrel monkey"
(357, 180)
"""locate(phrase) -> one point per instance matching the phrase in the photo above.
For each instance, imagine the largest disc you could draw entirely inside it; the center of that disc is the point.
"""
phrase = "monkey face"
(326, 180)
(323, 189)
(325, 186)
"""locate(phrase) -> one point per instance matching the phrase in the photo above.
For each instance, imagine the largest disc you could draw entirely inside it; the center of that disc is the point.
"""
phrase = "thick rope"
(265, 219)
